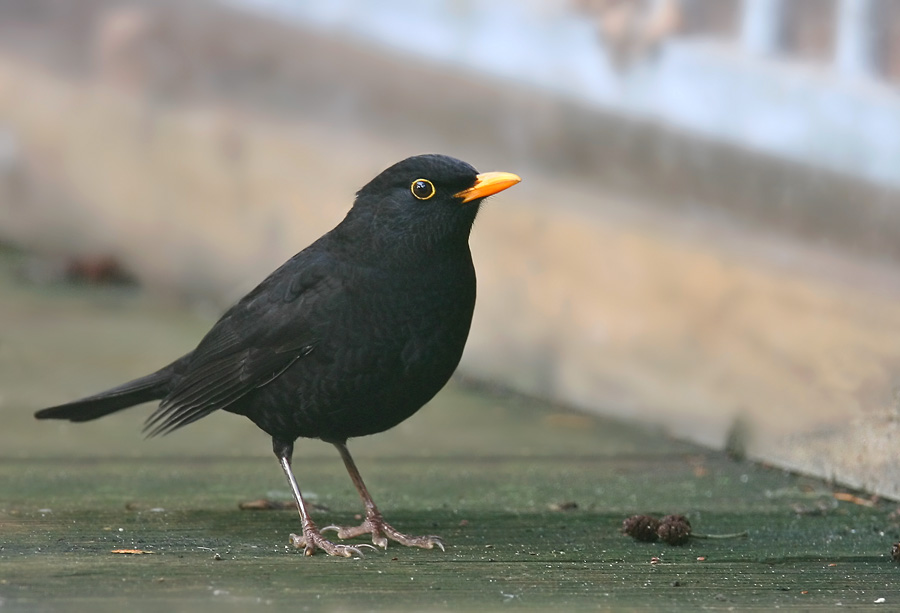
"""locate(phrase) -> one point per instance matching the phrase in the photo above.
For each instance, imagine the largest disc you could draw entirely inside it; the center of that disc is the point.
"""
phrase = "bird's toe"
(309, 543)
(381, 531)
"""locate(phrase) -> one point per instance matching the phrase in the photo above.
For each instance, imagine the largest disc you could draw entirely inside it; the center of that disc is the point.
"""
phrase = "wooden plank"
(483, 470)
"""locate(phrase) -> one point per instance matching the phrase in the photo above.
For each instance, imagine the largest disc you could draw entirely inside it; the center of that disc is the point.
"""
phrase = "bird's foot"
(381, 531)
(312, 539)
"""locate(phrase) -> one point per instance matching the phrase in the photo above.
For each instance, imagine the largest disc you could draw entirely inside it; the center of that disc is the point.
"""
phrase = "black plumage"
(349, 337)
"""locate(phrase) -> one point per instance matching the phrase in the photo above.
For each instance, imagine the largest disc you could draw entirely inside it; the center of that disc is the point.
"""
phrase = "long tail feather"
(152, 387)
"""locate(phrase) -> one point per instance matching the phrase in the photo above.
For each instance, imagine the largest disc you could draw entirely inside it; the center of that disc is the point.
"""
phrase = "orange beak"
(488, 183)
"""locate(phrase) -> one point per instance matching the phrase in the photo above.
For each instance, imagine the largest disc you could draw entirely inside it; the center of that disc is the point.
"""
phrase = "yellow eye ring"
(423, 189)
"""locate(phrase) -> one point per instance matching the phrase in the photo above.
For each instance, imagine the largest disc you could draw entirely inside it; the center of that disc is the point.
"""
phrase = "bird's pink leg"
(310, 539)
(374, 523)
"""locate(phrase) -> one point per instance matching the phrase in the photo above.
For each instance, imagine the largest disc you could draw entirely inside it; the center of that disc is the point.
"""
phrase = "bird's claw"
(381, 531)
(313, 540)
(349, 532)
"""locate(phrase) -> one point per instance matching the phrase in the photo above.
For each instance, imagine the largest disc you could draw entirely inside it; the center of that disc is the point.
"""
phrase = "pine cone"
(641, 527)
(674, 530)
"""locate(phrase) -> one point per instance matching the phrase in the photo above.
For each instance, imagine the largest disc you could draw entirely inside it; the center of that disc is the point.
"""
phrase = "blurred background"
(707, 237)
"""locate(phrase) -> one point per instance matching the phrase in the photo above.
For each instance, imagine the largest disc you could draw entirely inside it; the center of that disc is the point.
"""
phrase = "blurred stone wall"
(194, 54)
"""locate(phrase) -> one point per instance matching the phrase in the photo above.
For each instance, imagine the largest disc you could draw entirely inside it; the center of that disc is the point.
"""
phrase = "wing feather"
(253, 344)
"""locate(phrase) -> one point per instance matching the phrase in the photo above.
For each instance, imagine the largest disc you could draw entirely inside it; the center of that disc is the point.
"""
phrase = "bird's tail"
(151, 387)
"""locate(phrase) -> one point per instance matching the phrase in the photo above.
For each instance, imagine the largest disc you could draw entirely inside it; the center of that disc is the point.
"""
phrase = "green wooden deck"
(487, 472)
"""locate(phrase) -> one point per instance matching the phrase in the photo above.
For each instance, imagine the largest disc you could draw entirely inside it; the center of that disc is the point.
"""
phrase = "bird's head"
(426, 200)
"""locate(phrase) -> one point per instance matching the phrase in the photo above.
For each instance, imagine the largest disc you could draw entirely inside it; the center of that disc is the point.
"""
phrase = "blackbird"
(349, 337)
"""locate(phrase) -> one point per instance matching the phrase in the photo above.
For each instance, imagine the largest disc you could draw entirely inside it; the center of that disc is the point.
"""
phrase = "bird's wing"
(256, 341)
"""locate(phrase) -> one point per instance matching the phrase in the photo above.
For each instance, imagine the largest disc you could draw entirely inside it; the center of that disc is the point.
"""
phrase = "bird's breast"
(396, 342)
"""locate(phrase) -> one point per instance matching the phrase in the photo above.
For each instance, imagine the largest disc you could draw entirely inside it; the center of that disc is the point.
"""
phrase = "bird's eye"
(423, 189)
